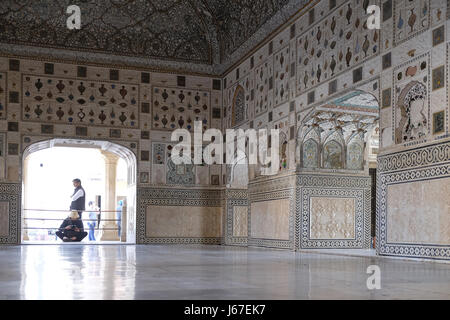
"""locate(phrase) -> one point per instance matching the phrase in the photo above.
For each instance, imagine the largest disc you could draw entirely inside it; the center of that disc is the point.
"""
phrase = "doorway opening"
(108, 175)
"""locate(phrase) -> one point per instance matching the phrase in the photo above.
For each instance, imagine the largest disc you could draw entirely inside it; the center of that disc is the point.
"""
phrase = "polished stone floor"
(74, 271)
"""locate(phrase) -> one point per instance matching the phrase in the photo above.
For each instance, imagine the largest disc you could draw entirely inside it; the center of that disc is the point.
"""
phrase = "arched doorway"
(113, 154)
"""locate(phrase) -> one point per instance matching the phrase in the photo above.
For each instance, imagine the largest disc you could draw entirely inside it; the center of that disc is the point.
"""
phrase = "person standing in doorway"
(78, 198)
(119, 216)
(92, 221)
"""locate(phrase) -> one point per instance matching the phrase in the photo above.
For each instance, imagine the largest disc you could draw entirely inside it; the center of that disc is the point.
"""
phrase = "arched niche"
(310, 154)
(355, 153)
(238, 112)
(411, 113)
(333, 155)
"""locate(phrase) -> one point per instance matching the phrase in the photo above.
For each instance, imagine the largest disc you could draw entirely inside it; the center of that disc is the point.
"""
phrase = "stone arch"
(120, 151)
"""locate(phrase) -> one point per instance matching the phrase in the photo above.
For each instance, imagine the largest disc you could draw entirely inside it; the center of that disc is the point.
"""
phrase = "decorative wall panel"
(427, 204)
(335, 44)
(3, 88)
(272, 199)
(67, 101)
(183, 222)
(159, 153)
(412, 100)
(424, 171)
(264, 87)
(239, 110)
(332, 218)
(10, 199)
(4, 218)
(333, 211)
(2, 155)
(181, 174)
(270, 219)
(175, 108)
(236, 211)
(240, 221)
(173, 200)
(310, 154)
(281, 76)
(355, 156)
(332, 155)
(411, 18)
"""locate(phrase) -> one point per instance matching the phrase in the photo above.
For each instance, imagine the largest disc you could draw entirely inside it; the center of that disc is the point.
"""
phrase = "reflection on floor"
(207, 272)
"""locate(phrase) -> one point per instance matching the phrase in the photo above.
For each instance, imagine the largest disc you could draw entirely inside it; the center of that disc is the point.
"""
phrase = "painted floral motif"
(239, 109)
(281, 76)
(159, 153)
(2, 95)
(332, 155)
(175, 108)
(355, 156)
(412, 17)
(263, 87)
(334, 45)
(49, 99)
(310, 154)
(182, 174)
(332, 218)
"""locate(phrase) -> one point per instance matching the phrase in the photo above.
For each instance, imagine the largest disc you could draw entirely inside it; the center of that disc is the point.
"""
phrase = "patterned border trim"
(418, 157)
(407, 250)
(12, 193)
(272, 184)
(309, 180)
(174, 197)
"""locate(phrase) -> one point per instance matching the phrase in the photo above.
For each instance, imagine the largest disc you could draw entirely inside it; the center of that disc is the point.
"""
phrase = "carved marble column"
(110, 198)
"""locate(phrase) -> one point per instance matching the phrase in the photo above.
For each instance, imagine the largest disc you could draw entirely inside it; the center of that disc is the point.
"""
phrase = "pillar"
(123, 235)
(110, 198)
(25, 200)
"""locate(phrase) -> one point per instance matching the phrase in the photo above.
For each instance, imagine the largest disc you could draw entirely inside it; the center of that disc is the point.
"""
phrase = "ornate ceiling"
(192, 35)
(353, 113)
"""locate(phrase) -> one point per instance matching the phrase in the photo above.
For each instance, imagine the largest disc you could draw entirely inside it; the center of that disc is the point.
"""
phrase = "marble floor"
(74, 271)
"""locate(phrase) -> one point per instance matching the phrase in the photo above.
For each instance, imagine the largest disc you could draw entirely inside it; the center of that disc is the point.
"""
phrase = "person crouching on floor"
(71, 230)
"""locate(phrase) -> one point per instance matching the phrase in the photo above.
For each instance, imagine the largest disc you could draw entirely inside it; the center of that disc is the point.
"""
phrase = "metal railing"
(98, 220)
